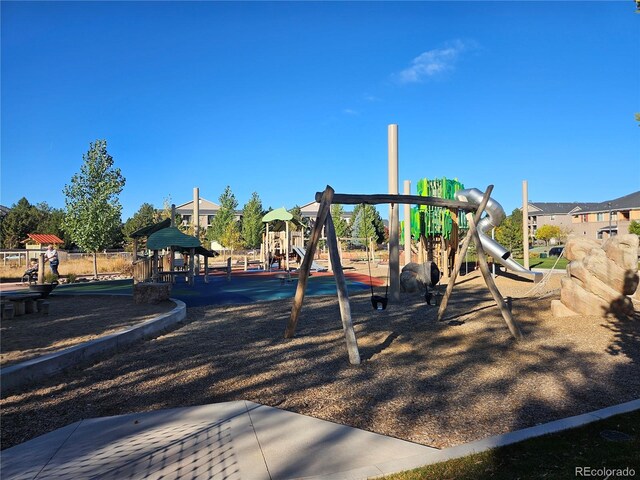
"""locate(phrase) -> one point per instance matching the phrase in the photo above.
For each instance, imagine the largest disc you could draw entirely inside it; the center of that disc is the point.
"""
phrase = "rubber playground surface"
(244, 287)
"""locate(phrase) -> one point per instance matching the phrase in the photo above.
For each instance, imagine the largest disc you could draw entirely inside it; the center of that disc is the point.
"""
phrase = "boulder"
(410, 283)
(577, 247)
(558, 309)
(623, 250)
(427, 273)
(151, 292)
(605, 269)
(581, 301)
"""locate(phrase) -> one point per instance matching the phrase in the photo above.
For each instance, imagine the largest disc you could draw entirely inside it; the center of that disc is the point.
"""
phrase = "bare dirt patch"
(435, 383)
(71, 320)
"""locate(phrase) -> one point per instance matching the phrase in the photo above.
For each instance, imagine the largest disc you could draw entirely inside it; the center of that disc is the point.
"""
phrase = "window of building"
(585, 217)
(600, 217)
(210, 219)
(553, 217)
(186, 219)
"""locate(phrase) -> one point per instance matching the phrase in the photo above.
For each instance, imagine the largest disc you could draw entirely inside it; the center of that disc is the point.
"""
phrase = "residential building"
(591, 220)
(207, 210)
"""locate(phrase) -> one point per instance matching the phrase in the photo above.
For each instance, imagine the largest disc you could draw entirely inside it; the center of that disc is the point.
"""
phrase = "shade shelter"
(172, 239)
(144, 232)
(279, 220)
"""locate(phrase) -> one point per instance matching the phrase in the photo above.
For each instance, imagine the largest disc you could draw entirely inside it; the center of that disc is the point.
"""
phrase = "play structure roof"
(277, 214)
(150, 229)
(277, 217)
(42, 238)
(171, 237)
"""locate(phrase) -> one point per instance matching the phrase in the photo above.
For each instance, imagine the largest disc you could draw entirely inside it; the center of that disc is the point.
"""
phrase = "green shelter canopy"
(171, 237)
(150, 229)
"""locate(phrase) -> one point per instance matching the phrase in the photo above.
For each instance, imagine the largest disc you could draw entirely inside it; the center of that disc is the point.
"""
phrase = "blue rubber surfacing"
(219, 290)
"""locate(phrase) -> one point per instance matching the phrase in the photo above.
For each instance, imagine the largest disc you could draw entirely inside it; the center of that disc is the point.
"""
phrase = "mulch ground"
(71, 320)
(435, 383)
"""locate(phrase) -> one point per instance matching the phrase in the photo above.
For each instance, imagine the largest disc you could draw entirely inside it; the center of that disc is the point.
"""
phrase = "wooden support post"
(455, 238)
(343, 295)
(192, 264)
(41, 268)
(493, 288)
(305, 268)
(154, 266)
(463, 251)
(206, 269)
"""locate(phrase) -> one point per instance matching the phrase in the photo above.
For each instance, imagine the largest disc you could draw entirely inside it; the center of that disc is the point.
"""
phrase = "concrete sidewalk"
(234, 440)
(238, 440)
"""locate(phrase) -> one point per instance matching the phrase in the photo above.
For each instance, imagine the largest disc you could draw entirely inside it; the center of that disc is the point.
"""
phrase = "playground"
(434, 383)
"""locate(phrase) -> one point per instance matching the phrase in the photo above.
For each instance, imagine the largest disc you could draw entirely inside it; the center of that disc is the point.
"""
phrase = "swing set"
(378, 302)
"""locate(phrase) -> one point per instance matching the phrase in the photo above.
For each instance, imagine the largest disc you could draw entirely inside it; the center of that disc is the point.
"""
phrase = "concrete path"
(237, 440)
(234, 440)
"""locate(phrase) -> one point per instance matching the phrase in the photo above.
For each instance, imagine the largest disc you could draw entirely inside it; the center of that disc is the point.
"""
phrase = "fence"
(22, 257)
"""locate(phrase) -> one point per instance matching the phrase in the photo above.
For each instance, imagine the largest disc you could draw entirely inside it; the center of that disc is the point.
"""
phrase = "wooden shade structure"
(327, 197)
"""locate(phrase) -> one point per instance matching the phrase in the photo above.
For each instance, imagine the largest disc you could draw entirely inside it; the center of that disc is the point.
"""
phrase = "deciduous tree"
(93, 209)
(509, 233)
(547, 232)
(252, 226)
(224, 217)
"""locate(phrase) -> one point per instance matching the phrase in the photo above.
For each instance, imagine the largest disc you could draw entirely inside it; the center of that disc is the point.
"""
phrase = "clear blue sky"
(285, 98)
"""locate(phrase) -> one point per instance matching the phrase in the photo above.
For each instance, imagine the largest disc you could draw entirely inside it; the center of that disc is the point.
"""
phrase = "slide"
(495, 216)
(301, 252)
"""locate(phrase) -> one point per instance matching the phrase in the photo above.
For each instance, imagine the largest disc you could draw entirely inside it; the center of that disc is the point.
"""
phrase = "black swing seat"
(378, 302)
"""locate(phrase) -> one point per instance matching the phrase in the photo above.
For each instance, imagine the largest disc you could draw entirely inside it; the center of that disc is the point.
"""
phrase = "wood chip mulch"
(434, 383)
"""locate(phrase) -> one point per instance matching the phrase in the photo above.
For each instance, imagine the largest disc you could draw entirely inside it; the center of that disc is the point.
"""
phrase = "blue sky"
(285, 98)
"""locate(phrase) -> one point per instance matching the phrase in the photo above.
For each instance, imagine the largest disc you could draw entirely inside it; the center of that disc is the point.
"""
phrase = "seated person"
(32, 271)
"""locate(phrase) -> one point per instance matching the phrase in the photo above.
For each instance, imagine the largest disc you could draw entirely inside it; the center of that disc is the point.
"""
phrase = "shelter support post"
(206, 269)
(463, 252)
(192, 265)
(305, 268)
(41, 268)
(135, 249)
(343, 295)
(484, 268)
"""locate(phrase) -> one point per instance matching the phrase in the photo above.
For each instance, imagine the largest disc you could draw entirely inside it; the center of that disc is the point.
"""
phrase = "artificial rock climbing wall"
(601, 277)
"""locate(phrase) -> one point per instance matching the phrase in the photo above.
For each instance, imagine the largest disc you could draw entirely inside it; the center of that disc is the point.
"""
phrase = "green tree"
(547, 232)
(342, 227)
(634, 227)
(144, 217)
(509, 233)
(231, 237)
(92, 206)
(23, 218)
(51, 221)
(252, 226)
(224, 217)
(367, 223)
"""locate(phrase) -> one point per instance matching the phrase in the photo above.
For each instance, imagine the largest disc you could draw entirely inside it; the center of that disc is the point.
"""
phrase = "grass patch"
(554, 456)
(548, 262)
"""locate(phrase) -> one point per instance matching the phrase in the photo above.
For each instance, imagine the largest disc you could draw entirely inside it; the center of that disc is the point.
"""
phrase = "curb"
(35, 369)
(502, 440)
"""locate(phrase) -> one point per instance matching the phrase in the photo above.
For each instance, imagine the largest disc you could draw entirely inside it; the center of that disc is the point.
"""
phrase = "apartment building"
(592, 220)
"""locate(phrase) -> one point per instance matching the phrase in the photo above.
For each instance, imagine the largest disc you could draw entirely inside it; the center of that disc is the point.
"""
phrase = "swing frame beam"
(323, 219)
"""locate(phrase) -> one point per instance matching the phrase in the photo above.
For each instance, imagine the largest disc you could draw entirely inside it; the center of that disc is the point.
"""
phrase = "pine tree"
(22, 219)
(93, 209)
